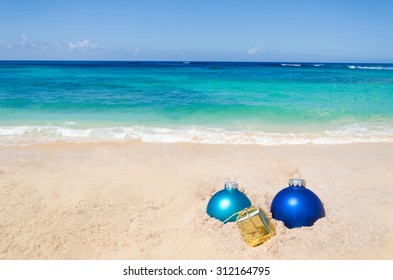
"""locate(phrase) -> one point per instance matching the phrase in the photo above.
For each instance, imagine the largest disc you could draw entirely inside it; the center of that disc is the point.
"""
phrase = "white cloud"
(136, 51)
(254, 50)
(24, 40)
(27, 43)
(82, 45)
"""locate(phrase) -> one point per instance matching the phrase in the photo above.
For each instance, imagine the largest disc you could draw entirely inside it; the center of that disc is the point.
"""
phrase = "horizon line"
(191, 61)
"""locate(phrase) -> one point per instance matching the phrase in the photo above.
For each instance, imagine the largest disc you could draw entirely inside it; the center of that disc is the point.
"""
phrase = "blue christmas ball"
(227, 202)
(297, 206)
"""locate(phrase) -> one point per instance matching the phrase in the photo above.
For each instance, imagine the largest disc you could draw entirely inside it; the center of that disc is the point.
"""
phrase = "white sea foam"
(290, 65)
(369, 67)
(29, 135)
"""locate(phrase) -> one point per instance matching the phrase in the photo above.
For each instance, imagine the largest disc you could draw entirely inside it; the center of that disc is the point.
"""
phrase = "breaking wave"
(369, 67)
(290, 65)
(30, 135)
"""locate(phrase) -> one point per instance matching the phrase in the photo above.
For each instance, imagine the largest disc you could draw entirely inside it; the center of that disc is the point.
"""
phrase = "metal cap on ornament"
(297, 182)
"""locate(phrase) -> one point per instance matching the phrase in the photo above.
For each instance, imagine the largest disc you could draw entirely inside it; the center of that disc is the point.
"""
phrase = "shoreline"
(69, 132)
(147, 200)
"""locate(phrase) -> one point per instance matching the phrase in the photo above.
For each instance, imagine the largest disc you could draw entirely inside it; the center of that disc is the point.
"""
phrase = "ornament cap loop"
(297, 172)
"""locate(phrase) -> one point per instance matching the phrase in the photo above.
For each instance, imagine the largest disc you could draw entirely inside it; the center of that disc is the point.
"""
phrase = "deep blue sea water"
(204, 102)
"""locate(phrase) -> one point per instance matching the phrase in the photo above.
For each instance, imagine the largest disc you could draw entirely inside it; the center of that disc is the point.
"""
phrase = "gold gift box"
(254, 226)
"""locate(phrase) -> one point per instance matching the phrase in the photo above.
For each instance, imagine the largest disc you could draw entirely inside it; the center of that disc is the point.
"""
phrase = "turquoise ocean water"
(202, 102)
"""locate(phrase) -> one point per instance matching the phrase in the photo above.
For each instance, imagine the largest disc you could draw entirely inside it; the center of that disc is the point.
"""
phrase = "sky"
(198, 30)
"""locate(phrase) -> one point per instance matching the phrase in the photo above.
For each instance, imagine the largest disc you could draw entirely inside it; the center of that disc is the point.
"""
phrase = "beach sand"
(148, 200)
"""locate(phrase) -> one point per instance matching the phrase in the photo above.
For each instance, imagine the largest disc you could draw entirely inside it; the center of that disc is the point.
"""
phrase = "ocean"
(197, 102)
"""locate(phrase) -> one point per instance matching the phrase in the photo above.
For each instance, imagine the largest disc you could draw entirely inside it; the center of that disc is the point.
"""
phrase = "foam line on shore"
(30, 135)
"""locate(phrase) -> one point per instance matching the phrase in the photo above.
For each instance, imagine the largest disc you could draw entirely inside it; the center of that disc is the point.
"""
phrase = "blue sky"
(220, 30)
